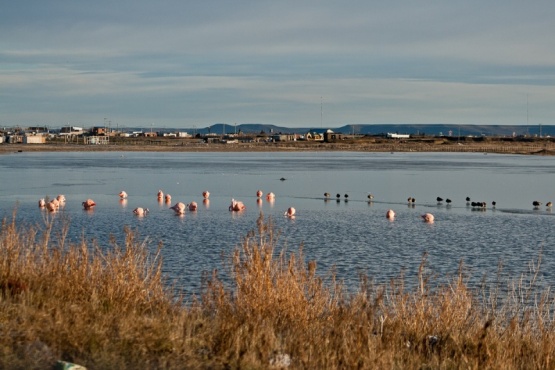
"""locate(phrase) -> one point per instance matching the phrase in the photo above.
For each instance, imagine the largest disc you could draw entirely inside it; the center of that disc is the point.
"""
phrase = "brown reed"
(111, 308)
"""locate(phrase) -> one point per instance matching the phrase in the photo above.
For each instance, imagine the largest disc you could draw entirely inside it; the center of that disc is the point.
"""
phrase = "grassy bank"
(72, 302)
(485, 145)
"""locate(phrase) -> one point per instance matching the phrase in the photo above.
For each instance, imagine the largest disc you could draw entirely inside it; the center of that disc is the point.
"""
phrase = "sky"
(188, 64)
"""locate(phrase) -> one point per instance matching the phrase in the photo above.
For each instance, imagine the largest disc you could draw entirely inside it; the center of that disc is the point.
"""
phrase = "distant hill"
(377, 129)
(435, 129)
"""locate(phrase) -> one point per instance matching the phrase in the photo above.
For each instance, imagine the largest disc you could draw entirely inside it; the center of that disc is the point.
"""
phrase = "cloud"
(184, 62)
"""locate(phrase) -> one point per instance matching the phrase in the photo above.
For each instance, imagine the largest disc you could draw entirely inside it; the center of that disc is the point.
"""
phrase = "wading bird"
(139, 211)
(428, 217)
(390, 214)
(88, 204)
(290, 212)
(179, 208)
(236, 206)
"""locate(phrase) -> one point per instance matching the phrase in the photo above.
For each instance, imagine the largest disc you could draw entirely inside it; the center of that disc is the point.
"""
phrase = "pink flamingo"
(192, 206)
(42, 203)
(160, 194)
(290, 212)
(206, 194)
(61, 198)
(270, 196)
(390, 214)
(88, 204)
(122, 194)
(168, 198)
(55, 203)
(259, 194)
(428, 217)
(51, 207)
(236, 206)
(179, 208)
(139, 211)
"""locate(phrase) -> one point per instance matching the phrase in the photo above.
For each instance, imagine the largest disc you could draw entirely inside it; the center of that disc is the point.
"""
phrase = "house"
(315, 135)
(98, 131)
(330, 136)
(34, 139)
(71, 131)
(284, 137)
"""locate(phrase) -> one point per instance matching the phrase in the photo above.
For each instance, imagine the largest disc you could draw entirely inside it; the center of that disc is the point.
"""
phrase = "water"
(351, 236)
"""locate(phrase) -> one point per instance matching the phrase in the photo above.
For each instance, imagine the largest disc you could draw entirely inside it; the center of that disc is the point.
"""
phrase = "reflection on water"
(350, 234)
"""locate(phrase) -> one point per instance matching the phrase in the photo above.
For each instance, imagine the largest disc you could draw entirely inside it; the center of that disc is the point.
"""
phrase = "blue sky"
(290, 63)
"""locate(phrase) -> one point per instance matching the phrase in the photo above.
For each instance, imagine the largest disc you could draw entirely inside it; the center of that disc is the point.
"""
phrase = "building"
(98, 131)
(34, 139)
(71, 131)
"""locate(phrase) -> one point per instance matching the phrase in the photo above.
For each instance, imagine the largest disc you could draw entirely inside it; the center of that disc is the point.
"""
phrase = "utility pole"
(321, 112)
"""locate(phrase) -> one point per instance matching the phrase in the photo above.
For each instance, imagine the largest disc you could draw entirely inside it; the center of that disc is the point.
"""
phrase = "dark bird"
(448, 201)
(282, 179)
(439, 199)
(468, 199)
(493, 203)
(338, 195)
(536, 203)
(346, 195)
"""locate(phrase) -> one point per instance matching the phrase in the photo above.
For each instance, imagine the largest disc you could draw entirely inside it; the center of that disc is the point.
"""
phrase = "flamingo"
(428, 217)
(51, 207)
(390, 214)
(55, 203)
(236, 206)
(61, 198)
(206, 194)
(168, 198)
(192, 206)
(179, 208)
(160, 194)
(122, 194)
(139, 211)
(259, 194)
(42, 203)
(88, 204)
(290, 212)
(270, 196)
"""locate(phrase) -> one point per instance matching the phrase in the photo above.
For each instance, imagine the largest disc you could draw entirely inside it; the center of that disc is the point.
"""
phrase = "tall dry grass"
(73, 302)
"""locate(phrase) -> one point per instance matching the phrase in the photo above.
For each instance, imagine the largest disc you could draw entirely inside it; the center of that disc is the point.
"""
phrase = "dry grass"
(113, 309)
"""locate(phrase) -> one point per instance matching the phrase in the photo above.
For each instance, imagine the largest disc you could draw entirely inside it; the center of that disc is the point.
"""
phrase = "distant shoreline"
(531, 148)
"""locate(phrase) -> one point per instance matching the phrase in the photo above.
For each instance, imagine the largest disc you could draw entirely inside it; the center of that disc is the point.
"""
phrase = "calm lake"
(351, 235)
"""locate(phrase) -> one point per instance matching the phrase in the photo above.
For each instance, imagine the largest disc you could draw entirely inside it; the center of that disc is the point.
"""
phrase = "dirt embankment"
(438, 145)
